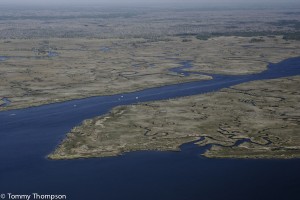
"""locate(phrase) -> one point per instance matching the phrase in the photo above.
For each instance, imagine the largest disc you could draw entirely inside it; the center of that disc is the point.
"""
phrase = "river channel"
(28, 135)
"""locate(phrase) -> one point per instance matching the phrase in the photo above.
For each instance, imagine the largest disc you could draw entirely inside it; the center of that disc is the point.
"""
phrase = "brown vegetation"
(265, 113)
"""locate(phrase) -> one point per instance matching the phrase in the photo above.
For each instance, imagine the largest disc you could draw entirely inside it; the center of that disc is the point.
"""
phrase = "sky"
(143, 1)
(147, 2)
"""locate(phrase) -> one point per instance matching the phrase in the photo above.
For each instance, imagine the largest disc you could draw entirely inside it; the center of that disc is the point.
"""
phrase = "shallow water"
(105, 49)
(3, 58)
(28, 135)
(52, 54)
(6, 102)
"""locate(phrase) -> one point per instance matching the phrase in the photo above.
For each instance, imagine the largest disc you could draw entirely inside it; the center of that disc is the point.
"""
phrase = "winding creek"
(28, 135)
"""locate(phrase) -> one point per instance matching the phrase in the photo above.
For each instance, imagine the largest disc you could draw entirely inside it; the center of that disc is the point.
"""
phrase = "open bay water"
(28, 135)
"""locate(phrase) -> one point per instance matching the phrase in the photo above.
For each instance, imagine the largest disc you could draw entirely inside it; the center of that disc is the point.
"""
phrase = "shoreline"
(118, 114)
(38, 104)
(36, 82)
(204, 77)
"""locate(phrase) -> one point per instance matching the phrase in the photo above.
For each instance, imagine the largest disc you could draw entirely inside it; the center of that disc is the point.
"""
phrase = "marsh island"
(59, 56)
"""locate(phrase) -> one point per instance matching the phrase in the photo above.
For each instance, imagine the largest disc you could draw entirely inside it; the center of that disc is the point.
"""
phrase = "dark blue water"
(28, 135)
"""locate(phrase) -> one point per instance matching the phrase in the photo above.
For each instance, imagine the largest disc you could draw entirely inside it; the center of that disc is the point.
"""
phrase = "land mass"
(69, 53)
(36, 72)
(264, 115)
(58, 54)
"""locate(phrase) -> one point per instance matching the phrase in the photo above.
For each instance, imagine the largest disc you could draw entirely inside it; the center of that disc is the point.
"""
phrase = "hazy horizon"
(149, 2)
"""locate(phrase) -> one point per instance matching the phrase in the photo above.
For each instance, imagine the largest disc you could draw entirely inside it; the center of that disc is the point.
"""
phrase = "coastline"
(91, 128)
